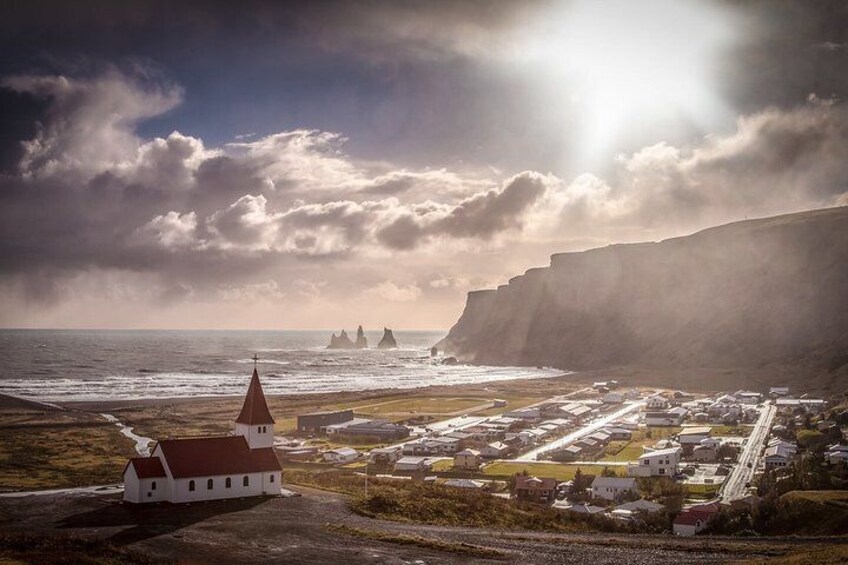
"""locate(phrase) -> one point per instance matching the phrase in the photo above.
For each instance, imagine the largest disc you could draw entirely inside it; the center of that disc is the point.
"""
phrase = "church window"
(246, 481)
(272, 477)
(209, 484)
(191, 486)
(258, 429)
(153, 485)
(228, 483)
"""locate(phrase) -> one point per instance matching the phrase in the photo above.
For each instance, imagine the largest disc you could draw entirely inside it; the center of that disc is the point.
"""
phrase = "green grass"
(558, 471)
(87, 452)
(731, 431)
(631, 450)
(443, 465)
(420, 405)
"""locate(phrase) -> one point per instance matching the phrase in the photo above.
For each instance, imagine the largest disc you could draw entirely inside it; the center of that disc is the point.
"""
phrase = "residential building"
(534, 489)
(496, 450)
(570, 453)
(779, 454)
(613, 488)
(656, 402)
(464, 483)
(670, 417)
(341, 455)
(613, 398)
(385, 455)
(659, 463)
(778, 391)
(467, 459)
(412, 464)
(693, 435)
(694, 519)
(566, 506)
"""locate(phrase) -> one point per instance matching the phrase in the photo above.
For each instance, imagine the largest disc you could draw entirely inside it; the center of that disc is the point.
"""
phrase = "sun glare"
(621, 65)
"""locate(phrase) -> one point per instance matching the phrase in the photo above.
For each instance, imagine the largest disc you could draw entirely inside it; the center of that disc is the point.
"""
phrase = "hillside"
(767, 295)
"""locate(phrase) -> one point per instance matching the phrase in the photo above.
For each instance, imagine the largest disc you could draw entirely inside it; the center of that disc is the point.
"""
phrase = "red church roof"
(146, 467)
(255, 409)
(211, 456)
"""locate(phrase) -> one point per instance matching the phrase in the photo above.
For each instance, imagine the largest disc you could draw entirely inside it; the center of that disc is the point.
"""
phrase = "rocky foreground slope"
(758, 294)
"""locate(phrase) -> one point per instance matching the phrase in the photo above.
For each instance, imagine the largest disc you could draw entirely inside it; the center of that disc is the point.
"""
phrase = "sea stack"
(361, 342)
(340, 342)
(388, 341)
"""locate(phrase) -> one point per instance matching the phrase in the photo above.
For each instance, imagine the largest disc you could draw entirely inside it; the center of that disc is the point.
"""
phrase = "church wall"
(131, 486)
(259, 484)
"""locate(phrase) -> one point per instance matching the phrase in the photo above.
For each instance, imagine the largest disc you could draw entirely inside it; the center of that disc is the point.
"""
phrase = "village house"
(660, 463)
(836, 454)
(464, 483)
(778, 391)
(341, 455)
(467, 459)
(570, 453)
(612, 398)
(534, 489)
(670, 417)
(211, 468)
(694, 519)
(496, 450)
(690, 437)
(656, 402)
(385, 455)
(412, 464)
(584, 508)
(613, 488)
(618, 434)
(779, 454)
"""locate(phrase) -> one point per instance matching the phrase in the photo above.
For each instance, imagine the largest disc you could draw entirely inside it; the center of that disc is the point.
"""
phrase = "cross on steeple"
(255, 360)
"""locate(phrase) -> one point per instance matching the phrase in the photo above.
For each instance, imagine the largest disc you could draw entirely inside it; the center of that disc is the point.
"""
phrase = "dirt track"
(292, 530)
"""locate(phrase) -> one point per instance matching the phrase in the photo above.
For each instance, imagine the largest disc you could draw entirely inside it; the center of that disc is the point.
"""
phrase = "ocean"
(70, 365)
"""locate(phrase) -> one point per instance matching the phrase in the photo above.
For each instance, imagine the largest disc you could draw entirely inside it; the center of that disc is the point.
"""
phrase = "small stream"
(142, 444)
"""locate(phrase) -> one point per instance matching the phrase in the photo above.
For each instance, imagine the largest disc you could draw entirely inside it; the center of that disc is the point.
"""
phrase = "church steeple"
(255, 422)
(255, 409)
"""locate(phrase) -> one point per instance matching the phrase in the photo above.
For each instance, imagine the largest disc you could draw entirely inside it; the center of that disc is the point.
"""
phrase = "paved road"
(742, 473)
(582, 432)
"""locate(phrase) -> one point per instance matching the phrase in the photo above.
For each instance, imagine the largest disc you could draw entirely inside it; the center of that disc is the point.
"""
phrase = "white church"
(211, 468)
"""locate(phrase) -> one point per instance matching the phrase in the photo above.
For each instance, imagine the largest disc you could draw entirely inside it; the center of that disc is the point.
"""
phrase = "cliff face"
(745, 295)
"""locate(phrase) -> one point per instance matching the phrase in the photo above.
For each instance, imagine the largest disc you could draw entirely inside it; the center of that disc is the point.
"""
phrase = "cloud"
(390, 291)
(196, 222)
(91, 122)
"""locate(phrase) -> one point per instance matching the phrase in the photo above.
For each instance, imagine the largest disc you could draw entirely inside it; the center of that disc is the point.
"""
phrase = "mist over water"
(57, 365)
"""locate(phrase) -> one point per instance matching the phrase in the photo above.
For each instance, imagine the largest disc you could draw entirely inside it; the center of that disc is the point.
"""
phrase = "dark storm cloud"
(107, 110)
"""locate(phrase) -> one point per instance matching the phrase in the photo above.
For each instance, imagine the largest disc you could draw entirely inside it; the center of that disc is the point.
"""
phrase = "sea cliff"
(768, 292)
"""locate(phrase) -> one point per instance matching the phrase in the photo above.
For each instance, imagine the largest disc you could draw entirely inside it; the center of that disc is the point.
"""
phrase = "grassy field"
(62, 450)
(443, 465)
(631, 450)
(731, 431)
(558, 471)
(414, 406)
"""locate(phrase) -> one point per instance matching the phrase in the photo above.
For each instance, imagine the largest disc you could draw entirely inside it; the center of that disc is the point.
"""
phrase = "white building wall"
(257, 436)
(258, 484)
(131, 486)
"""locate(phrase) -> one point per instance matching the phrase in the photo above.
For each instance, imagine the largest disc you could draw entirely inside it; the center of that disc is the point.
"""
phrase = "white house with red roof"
(211, 468)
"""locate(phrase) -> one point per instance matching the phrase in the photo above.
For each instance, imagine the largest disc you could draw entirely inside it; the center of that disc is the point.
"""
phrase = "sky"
(315, 165)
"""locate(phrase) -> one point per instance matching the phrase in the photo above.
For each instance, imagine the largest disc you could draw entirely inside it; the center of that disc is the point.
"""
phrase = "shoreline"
(95, 404)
